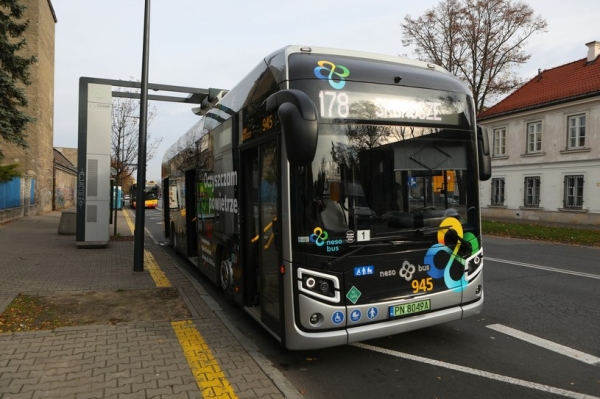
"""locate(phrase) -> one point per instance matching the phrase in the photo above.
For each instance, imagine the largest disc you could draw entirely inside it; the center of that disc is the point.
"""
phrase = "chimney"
(593, 50)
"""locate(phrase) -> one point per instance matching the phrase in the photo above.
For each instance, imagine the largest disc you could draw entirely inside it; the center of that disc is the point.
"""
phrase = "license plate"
(410, 308)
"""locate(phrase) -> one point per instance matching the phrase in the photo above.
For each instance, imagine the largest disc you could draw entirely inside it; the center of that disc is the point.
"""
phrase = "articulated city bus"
(334, 195)
(150, 195)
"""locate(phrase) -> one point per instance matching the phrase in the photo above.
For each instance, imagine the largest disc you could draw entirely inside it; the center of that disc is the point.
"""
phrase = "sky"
(216, 44)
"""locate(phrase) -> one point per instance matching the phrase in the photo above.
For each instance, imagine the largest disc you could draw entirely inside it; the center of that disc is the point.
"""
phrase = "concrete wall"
(65, 187)
(36, 162)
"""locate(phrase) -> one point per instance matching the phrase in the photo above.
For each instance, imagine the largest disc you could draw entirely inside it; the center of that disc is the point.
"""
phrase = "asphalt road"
(538, 337)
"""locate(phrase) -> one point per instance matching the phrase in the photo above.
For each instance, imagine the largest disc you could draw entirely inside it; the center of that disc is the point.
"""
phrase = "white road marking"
(550, 269)
(544, 343)
(479, 373)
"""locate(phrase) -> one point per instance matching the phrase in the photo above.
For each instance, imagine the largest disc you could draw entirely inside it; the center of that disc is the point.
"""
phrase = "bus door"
(166, 208)
(191, 215)
(262, 255)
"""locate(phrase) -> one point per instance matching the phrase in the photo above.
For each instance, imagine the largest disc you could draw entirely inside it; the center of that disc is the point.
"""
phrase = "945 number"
(425, 284)
(267, 123)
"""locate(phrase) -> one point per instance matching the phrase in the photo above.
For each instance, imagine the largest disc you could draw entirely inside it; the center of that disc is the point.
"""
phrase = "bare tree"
(125, 139)
(480, 41)
(125, 136)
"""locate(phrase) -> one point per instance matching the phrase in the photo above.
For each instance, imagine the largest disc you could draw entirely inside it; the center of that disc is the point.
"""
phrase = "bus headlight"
(473, 265)
(320, 285)
(325, 288)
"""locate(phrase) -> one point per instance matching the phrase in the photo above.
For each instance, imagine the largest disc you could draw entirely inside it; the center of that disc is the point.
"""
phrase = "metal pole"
(114, 194)
(123, 177)
(138, 248)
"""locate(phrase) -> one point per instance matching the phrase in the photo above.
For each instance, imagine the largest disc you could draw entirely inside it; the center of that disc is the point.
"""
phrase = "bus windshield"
(150, 199)
(151, 192)
(372, 183)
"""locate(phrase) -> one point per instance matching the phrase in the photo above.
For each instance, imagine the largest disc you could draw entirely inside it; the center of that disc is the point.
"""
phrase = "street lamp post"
(138, 248)
(123, 175)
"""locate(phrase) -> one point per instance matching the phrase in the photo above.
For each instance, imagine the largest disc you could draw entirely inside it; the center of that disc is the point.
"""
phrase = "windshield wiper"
(352, 251)
(396, 235)
(333, 261)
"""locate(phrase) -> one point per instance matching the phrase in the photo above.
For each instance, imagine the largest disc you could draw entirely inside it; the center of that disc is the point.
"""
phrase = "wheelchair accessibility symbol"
(337, 318)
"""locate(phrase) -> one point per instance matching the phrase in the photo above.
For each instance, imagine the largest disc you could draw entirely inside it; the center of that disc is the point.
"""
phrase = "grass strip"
(564, 235)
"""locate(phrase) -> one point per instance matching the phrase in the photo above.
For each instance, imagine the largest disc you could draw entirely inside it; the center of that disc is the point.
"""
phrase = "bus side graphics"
(211, 202)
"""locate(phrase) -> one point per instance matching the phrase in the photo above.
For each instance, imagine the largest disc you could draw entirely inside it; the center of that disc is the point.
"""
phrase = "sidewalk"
(204, 356)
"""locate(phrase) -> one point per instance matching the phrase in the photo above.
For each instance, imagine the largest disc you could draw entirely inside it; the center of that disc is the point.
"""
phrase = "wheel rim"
(226, 274)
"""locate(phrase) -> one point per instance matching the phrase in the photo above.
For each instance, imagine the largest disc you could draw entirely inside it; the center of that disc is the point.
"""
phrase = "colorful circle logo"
(335, 74)
(454, 264)
(319, 236)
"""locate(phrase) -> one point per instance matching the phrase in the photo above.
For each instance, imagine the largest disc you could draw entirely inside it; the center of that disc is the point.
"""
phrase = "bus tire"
(226, 274)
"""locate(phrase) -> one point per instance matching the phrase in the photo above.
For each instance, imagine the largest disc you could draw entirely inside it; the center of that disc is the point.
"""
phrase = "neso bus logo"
(319, 236)
(407, 270)
(335, 74)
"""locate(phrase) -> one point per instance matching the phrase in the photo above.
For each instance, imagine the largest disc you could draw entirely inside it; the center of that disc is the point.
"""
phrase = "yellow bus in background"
(150, 195)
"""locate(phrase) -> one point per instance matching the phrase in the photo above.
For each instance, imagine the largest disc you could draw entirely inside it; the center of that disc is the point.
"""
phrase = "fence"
(10, 193)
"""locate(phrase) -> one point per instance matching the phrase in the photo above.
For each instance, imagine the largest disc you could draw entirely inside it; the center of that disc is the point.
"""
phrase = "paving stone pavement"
(127, 360)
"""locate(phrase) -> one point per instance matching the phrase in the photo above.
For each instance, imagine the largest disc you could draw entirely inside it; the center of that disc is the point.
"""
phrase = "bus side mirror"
(299, 124)
(485, 158)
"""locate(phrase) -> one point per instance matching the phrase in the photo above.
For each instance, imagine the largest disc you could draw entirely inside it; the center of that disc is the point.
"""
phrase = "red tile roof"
(569, 81)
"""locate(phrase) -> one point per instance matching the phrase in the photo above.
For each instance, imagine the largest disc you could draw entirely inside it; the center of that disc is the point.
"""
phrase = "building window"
(499, 142)
(497, 191)
(532, 191)
(573, 192)
(534, 137)
(576, 133)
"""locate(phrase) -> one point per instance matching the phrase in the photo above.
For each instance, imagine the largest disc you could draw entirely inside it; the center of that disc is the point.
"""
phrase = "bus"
(151, 192)
(334, 195)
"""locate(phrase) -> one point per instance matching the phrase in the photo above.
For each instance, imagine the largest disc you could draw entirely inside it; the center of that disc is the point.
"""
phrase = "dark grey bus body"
(334, 195)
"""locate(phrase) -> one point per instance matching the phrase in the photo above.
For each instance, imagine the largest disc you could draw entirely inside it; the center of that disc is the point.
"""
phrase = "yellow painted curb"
(209, 376)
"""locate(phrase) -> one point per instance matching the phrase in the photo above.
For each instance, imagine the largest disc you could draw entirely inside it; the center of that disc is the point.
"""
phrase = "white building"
(546, 147)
